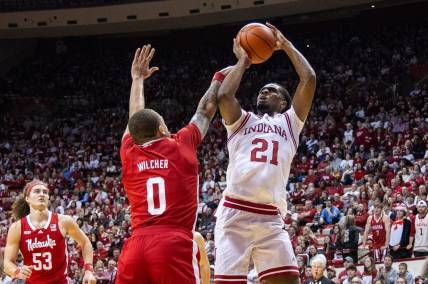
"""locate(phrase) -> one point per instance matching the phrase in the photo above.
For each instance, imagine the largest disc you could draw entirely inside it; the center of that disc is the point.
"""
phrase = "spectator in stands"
(301, 263)
(369, 271)
(401, 280)
(347, 241)
(351, 272)
(307, 214)
(421, 228)
(111, 270)
(347, 262)
(330, 214)
(402, 234)
(331, 274)
(388, 273)
(405, 274)
(318, 267)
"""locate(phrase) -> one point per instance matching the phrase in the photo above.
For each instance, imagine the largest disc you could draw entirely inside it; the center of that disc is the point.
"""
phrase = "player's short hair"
(144, 124)
(285, 94)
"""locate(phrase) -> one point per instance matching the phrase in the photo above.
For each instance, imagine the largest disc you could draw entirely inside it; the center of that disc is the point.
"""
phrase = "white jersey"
(261, 149)
(421, 235)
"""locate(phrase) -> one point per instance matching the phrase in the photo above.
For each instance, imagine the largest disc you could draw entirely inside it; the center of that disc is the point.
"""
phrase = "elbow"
(221, 96)
(310, 76)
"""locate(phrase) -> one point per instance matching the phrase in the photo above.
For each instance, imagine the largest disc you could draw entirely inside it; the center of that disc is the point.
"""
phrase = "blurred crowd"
(27, 5)
(365, 143)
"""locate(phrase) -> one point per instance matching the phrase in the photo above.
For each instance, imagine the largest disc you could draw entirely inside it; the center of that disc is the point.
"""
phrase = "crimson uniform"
(44, 249)
(161, 181)
(379, 237)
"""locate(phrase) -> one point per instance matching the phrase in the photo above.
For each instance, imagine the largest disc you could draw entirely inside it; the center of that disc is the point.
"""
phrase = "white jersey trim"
(44, 227)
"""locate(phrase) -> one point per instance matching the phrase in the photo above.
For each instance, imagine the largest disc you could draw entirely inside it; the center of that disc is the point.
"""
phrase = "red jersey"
(161, 179)
(44, 249)
(378, 231)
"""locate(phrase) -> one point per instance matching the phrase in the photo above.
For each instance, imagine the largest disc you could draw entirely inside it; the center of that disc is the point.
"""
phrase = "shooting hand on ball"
(281, 41)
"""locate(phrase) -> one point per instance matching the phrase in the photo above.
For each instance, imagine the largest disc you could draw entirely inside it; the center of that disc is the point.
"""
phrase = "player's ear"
(162, 131)
(283, 105)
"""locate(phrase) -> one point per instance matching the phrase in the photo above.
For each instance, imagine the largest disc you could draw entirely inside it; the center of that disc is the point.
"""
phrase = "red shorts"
(158, 255)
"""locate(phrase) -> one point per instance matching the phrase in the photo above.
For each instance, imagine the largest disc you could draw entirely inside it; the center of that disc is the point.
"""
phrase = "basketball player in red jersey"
(40, 236)
(160, 175)
(379, 224)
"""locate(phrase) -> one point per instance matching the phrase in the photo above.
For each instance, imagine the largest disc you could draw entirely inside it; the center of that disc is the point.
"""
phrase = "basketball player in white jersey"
(261, 148)
(421, 226)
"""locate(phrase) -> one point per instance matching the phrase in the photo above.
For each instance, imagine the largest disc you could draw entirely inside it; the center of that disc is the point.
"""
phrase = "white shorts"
(242, 234)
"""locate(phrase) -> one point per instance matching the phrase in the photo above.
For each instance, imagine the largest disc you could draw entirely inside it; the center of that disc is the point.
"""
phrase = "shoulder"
(65, 220)
(15, 227)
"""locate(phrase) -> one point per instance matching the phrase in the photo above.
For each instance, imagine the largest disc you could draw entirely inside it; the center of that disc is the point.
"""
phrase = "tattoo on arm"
(206, 108)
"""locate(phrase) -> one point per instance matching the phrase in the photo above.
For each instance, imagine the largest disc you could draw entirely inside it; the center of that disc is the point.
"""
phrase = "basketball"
(258, 40)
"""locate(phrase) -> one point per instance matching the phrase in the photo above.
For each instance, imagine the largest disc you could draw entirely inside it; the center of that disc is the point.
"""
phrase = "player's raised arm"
(208, 104)
(73, 230)
(11, 253)
(305, 91)
(140, 71)
(229, 106)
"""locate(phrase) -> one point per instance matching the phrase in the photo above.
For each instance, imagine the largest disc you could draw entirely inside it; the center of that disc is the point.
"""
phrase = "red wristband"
(16, 272)
(88, 267)
(218, 76)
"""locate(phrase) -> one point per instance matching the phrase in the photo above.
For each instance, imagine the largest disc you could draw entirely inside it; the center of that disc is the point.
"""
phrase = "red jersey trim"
(250, 206)
(247, 117)
(283, 270)
(287, 118)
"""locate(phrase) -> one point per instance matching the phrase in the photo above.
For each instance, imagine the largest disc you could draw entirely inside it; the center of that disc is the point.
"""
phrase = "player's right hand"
(23, 272)
(240, 52)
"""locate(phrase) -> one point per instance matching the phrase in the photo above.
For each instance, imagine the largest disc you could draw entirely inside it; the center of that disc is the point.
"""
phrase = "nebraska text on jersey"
(31, 245)
(152, 164)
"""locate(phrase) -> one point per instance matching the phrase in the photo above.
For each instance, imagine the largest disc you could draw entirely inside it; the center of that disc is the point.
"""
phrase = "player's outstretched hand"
(89, 278)
(23, 272)
(281, 40)
(140, 66)
(240, 52)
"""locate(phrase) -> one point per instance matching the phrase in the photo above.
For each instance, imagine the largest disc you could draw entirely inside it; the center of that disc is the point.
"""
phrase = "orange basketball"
(258, 40)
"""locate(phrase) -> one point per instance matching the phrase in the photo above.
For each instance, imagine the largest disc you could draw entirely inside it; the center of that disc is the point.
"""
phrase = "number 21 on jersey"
(156, 191)
(260, 153)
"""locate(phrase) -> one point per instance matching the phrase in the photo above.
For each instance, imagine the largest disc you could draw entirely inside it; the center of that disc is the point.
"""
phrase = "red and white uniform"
(379, 237)
(249, 223)
(161, 181)
(45, 249)
(421, 235)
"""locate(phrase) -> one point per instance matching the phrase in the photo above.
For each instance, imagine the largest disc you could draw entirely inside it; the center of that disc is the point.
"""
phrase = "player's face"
(270, 99)
(38, 197)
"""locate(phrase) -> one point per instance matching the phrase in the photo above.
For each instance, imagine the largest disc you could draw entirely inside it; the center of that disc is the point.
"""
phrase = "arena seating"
(64, 112)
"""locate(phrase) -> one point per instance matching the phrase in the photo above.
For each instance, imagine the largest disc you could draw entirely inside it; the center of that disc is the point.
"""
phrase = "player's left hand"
(89, 278)
(281, 40)
(140, 65)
